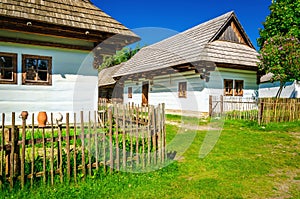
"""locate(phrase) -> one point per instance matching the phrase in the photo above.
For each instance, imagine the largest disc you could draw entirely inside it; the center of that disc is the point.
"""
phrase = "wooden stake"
(23, 152)
(2, 147)
(111, 161)
(60, 155)
(33, 152)
(82, 145)
(89, 145)
(68, 147)
(74, 149)
(44, 155)
(96, 140)
(12, 153)
(52, 151)
(117, 139)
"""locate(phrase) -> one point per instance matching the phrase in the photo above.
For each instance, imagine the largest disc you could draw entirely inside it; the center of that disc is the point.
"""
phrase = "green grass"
(248, 161)
(187, 120)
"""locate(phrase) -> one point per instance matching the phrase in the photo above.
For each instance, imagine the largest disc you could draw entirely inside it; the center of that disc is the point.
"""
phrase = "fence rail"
(263, 110)
(118, 137)
(233, 107)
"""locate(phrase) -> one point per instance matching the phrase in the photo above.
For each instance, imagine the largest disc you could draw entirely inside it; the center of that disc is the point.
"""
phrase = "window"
(182, 89)
(235, 89)
(37, 70)
(239, 86)
(228, 86)
(8, 68)
(129, 92)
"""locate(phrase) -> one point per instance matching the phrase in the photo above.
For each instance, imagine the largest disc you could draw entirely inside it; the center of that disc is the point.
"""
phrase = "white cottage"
(213, 58)
(269, 89)
(47, 51)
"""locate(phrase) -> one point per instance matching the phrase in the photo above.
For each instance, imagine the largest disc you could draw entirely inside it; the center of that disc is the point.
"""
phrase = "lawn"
(248, 161)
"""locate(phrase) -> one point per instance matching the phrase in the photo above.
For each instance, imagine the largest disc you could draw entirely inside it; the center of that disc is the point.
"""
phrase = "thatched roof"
(204, 42)
(73, 15)
(105, 76)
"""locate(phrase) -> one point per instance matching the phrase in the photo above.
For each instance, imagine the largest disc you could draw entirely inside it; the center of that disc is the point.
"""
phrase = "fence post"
(3, 175)
(24, 117)
(210, 106)
(221, 104)
(13, 158)
(111, 154)
(260, 110)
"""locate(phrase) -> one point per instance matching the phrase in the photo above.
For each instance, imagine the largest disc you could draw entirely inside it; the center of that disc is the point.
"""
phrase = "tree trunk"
(280, 90)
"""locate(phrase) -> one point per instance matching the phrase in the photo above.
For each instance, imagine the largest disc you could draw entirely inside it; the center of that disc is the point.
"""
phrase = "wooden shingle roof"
(105, 76)
(200, 43)
(75, 15)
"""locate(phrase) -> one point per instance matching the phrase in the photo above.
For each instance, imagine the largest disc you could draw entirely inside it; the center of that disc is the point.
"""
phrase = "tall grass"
(248, 161)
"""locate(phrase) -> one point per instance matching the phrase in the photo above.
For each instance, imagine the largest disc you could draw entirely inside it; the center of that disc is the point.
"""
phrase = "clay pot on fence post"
(42, 119)
(24, 115)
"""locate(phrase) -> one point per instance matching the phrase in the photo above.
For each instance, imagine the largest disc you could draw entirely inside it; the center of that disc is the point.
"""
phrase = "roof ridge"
(193, 28)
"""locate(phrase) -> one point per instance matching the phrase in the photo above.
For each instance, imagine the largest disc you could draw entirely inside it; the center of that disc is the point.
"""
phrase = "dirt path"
(192, 127)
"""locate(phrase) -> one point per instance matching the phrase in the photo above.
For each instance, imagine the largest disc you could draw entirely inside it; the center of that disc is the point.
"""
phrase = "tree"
(283, 19)
(280, 56)
(121, 56)
(279, 42)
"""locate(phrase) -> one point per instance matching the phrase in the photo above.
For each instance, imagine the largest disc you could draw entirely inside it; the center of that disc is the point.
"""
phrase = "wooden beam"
(236, 66)
(42, 28)
(43, 43)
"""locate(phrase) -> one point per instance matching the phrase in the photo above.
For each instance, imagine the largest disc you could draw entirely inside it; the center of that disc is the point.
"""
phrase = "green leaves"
(284, 19)
(121, 56)
(279, 42)
(280, 55)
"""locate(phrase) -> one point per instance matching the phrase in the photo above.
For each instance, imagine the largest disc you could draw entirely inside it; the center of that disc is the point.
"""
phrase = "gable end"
(232, 31)
(232, 34)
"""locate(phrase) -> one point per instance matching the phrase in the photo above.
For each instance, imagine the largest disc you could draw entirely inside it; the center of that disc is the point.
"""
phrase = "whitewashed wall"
(268, 89)
(74, 83)
(165, 89)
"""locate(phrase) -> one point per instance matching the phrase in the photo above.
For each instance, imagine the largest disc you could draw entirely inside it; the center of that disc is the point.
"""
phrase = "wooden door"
(145, 92)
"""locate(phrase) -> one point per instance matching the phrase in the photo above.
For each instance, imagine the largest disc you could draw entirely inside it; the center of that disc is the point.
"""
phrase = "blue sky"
(156, 19)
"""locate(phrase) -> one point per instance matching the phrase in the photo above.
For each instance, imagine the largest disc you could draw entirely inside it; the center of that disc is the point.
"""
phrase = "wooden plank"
(23, 152)
(96, 140)
(74, 149)
(117, 139)
(52, 151)
(89, 145)
(2, 152)
(44, 155)
(124, 136)
(60, 155)
(12, 152)
(68, 147)
(137, 136)
(154, 136)
(33, 151)
(82, 145)
(164, 133)
(150, 109)
(131, 135)
(210, 106)
(143, 138)
(111, 158)
(103, 138)
(159, 142)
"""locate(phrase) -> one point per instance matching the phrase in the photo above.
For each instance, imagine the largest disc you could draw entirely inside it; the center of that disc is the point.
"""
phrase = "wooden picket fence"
(233, 107)
(278, 110)
(263, 110)
(117, 138)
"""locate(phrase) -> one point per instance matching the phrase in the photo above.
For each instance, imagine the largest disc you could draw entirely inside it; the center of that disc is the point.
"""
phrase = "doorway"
(145, 93)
